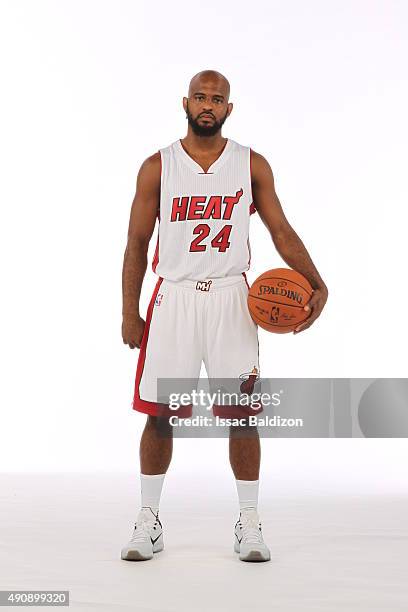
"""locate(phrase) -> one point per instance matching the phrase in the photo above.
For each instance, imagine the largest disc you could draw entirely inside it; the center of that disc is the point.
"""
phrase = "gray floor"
(344, 552)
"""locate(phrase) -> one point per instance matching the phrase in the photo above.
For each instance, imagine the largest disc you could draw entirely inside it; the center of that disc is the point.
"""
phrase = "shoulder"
(260, 167)
(150, 169)
(259, 162)
(152, 162)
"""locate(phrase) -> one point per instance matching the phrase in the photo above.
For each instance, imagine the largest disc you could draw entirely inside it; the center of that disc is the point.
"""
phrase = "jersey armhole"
(252, 208)
(155, 260)
(161, 183)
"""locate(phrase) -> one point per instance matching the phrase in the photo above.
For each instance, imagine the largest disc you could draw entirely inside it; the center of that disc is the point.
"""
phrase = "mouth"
(206, 117)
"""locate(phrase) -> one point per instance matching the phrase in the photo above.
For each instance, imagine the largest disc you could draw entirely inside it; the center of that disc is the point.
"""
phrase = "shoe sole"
(253, 555)
(135, 555)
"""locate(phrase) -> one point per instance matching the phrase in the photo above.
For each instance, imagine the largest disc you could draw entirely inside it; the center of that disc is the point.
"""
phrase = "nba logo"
(158, 299)
(275, 314)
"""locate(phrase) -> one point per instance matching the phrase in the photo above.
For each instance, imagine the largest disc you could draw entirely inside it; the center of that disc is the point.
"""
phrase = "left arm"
(287, 242)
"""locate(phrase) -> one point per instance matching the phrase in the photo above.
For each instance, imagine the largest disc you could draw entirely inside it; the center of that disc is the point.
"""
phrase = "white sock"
(151, 488)
(247, 494)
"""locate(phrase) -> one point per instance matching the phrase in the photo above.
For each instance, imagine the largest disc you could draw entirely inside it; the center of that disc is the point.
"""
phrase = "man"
(202, 189)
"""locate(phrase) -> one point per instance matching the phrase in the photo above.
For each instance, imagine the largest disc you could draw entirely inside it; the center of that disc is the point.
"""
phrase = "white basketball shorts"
(189, 322)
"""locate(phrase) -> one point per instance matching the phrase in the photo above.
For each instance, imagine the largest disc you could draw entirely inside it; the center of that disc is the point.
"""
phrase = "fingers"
(309, 321)
(131, 344)
(314, 306)
(314, 313)
(305, 325)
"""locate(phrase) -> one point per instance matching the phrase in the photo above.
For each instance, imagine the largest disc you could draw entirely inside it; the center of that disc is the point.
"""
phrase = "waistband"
(209, 284)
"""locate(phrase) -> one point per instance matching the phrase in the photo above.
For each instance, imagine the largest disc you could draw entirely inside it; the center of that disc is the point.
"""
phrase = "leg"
(233, 355)
(245, 452)
(169, 349)
(245, 455)
(156, 446)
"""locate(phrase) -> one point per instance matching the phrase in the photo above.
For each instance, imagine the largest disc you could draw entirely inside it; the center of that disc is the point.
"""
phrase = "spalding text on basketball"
(289, 293)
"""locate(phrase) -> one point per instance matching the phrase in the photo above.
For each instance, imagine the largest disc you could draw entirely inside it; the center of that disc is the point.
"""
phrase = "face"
(207, 108)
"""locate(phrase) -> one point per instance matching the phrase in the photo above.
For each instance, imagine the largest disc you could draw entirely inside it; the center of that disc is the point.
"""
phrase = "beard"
(205, 130)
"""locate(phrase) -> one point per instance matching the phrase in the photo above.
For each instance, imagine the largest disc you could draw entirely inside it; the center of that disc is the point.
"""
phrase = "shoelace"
(250, 530)
(141, 531)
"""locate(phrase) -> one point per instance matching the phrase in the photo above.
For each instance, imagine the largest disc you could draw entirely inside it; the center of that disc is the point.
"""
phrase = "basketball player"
(202, 189)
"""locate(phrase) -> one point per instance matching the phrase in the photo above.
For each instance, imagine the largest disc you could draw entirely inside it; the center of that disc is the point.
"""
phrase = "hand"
(132, 330)
(315, 306)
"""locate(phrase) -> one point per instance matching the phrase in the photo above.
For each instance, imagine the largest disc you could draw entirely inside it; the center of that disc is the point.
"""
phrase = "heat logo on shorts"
(158, 299)
(248, 380)
(203, 285)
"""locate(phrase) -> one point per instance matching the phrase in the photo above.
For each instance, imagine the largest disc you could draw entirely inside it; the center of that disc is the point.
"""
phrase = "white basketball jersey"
(204, 216)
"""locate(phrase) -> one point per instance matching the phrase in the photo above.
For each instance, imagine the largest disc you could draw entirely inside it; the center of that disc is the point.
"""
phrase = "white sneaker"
(248, 538)
(147, 537)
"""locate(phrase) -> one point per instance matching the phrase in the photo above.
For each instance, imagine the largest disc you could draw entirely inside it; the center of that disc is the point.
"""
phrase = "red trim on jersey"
(244, 275)
(252, 208)
(156, 252)
(249, 253)
(152, 408)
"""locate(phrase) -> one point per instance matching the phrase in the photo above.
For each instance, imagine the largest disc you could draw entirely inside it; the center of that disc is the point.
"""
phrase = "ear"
(185, 100)
(230, 107)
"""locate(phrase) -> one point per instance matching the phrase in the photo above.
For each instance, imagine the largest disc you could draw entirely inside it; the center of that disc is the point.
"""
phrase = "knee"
(243, 430)
(159, 424)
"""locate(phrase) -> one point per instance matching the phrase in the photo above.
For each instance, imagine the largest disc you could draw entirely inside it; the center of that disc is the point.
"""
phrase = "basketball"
(277, 298)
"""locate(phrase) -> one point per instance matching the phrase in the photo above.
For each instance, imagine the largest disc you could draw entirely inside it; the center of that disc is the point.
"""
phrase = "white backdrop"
(90, 89)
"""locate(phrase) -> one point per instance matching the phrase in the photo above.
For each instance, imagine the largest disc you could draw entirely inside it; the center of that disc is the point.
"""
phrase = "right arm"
(141, 226)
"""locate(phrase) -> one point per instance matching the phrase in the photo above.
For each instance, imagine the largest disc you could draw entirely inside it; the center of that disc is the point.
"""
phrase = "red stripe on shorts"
(138, 403)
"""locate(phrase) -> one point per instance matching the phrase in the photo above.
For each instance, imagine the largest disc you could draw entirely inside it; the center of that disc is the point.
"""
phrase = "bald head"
(210, 77)
(207, 105)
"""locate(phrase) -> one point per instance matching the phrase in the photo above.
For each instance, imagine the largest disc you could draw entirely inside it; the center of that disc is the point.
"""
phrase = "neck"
(203, 143)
